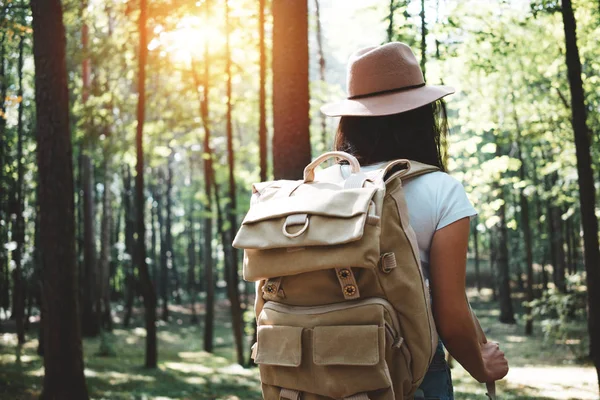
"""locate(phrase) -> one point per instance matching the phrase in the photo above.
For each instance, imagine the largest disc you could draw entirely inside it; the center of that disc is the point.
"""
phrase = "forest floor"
(539, 369)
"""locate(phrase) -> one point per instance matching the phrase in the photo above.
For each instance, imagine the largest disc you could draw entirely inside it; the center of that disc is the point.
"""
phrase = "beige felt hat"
(384, 80)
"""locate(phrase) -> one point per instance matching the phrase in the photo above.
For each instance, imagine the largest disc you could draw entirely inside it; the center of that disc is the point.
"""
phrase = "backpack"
(343, 310)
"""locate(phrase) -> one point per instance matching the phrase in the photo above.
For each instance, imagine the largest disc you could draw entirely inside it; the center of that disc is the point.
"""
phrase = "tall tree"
(19, 221)
(319, 34)
(526, 228)
(390, 18)
(89, 315)
(587, 193)
(291, 136)
(191, 281)
(423, 39)
(63, 360)
(4, 279)
(262, 127)
(500, 239)
(145, 281)
(103, 299)
(170, 253)
(130, 248)
(209, 315)
(232, 284)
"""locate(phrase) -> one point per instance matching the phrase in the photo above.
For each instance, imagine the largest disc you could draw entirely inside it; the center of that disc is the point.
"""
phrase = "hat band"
(402, 89)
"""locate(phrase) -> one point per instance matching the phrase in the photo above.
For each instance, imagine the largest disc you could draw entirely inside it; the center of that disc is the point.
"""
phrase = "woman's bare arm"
(448, 258)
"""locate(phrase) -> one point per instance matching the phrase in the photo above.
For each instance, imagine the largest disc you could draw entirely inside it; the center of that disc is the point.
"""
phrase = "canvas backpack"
(343, 310)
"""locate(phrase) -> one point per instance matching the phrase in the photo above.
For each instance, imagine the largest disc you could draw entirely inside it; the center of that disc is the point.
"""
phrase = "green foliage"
(560, 314)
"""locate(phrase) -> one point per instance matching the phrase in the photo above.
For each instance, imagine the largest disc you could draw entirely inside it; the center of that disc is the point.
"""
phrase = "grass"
(539, 369)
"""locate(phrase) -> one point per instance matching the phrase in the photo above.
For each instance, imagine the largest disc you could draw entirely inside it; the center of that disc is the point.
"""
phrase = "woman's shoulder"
(437, 181)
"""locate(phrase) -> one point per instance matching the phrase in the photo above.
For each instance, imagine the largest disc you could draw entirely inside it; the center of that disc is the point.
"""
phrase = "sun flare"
(186, 41)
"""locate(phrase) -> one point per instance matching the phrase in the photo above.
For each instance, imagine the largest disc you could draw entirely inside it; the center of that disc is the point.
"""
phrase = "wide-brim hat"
(384, 80)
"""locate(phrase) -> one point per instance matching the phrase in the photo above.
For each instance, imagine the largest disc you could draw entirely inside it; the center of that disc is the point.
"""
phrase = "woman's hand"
(494, 361)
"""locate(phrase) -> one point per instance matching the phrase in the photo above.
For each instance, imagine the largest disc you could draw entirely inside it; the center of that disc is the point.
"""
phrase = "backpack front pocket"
(334, 351)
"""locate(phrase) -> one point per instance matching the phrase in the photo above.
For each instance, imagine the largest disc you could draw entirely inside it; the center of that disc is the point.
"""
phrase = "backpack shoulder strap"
(403, 168)
(418, 169)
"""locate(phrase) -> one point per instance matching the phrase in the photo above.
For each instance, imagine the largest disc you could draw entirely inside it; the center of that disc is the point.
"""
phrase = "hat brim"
(387, 103)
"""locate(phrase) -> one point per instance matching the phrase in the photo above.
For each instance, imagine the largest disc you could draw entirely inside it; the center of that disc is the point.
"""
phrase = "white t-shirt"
(434, 200)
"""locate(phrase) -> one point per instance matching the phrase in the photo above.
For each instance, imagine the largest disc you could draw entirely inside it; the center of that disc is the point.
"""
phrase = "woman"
(390, 114)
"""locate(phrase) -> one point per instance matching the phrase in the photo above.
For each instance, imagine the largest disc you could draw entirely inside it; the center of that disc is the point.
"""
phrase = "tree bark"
(209, 315)
(502, 267)
(130, 286)
(291, 136)
(262, 128)
(19, 287)
(233, 282)
(146, 283)
(171, 264)
(587, 193)
(63, 360)
(191, 234)
(423, 40)
(89, 312)
(321, 55)
(558, 239)
(476, 248)
(525, 224)
(89, 317)
(390, 18)
(105, 256)
(164, 271)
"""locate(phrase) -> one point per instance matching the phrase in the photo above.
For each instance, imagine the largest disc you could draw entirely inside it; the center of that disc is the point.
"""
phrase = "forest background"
(176, 107)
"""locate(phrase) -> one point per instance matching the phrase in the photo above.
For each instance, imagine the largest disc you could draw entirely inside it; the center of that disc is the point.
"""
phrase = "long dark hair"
(418, 135)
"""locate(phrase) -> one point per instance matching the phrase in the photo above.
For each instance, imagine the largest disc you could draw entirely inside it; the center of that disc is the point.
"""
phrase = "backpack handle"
(309, 171)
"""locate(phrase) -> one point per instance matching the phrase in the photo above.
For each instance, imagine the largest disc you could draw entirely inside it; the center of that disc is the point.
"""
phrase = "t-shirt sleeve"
(452, 203)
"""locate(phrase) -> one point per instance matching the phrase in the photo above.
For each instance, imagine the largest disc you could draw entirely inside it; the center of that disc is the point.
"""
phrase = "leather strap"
(347, 283)
(289, 394)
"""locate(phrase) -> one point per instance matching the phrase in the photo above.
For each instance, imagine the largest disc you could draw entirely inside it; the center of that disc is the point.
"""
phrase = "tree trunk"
(146, 283)
(105, 230)
(171, 265)
(493, 265)
(525, 224)
(19, 287)
(191, 233)
(324, 133)
(154, 239)
(423, 40)
(570, 245)
(262, 128)
(209, 315)
(558, 239)
(89, 317)
(130, 286)
(4, 278)
(390, 18)
(164, 271)
(291, 137)
(501, 243)
(587, 193)
(233, 282)
(476, 248)
(63, 361)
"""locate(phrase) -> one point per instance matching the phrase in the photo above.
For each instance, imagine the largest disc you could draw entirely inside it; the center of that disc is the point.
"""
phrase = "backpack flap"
(276, 233)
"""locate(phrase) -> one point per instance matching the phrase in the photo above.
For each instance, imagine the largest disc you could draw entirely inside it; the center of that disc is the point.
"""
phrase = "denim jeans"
(437, 384)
